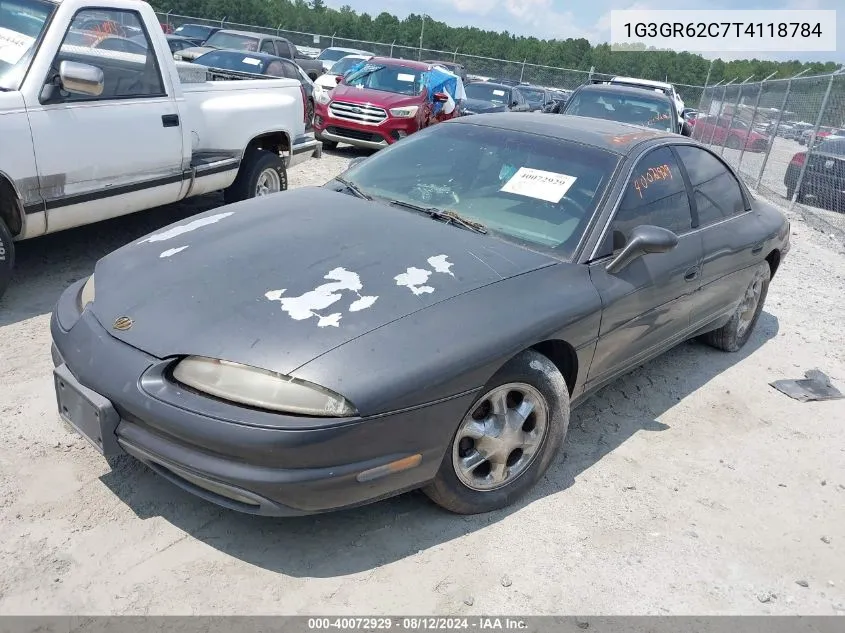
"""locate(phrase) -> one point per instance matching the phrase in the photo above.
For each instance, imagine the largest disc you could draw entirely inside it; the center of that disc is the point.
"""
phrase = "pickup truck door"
(108, 155)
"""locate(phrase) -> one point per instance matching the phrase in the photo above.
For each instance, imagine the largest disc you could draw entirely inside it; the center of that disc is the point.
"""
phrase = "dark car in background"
(453, 67)
(175, 42)
(635, 106)
(537, 98)
(261, 64)
(483, 97)
(617, 243)
(824, 177)
(558, 100)
(199, 32)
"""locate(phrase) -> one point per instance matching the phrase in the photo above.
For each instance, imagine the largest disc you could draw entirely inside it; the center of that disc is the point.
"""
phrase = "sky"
(562, 19)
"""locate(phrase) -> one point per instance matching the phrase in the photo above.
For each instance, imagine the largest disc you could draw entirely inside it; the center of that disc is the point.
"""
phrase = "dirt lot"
(691, 486)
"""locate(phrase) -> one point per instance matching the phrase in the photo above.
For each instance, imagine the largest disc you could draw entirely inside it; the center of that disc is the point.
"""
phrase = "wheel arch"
(11, 210)
(773, 259)
(276, 141)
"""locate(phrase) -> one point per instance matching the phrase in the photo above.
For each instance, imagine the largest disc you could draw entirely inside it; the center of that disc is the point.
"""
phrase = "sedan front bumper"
(123, 401)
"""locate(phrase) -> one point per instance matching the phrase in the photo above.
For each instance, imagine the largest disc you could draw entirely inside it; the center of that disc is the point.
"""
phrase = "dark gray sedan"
(426, 320)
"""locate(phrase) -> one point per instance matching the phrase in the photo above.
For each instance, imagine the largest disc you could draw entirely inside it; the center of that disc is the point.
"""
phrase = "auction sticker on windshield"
(405, 77)
(539, 184)
(252, 61)
(13, 45)
(499, 93)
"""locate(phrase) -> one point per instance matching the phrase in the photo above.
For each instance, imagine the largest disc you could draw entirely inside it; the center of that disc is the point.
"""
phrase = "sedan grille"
(358, 112)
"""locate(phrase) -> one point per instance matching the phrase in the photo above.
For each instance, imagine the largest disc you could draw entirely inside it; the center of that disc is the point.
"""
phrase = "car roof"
(249, 34)
(343, 48)
(612, 136)
(408, 63)
(494, 84)
(645, 82)
(624, 90)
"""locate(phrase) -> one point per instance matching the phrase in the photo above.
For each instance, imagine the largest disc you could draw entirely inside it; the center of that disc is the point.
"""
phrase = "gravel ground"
(690, 486)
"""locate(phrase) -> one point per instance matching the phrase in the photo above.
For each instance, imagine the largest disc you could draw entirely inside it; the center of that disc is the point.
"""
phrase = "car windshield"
(388, 78)
(343, 66)
(193, 31)
(487, 92)
(533, 95)
(332, 54)
(21, 25)
(637, 110)
(239, 62)
(534, 190)
(233, 40)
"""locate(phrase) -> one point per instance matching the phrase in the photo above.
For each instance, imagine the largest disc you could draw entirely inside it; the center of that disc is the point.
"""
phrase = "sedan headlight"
(405, 112)
(86, 296)
(178, 57)
(260, 388)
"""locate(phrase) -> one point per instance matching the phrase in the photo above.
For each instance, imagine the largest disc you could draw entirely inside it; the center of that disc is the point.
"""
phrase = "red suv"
(384, 101)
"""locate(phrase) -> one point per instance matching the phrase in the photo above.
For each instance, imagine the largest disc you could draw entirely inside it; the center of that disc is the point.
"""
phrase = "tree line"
(575, 54)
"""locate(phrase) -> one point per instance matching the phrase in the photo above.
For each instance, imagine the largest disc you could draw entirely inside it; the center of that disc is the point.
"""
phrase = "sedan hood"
(277, 281)
(380, 98)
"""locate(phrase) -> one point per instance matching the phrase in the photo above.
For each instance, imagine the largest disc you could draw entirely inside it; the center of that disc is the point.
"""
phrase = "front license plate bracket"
(93, 416)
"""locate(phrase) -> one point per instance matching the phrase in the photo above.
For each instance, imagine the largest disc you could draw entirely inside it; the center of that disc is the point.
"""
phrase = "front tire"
(7, 257)
(262, 173)
(732, 336)
(507, 439)
(733, 142)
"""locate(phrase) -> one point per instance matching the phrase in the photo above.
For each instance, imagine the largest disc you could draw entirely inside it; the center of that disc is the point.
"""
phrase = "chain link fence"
(485, 67)
(787, 139)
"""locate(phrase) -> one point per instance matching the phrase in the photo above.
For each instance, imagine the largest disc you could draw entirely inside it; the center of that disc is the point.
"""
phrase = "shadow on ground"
(364, 538)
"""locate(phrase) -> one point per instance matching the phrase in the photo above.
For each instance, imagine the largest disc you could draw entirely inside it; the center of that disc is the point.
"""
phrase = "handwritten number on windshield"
(650, 176)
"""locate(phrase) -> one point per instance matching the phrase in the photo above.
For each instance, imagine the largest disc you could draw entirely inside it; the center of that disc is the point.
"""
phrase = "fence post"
(455, 56)
(422, 31)
(223, 21)
(733, 116)
(391, 47)
(522, 72)
(753, 117)
(333, 34)
(812, 140)
(590, 76)
(721, 106)
(278, 28)
(167, 18)
(777, 127)
(706, 79)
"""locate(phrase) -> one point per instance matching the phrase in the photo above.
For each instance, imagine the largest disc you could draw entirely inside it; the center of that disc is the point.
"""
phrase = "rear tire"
(733, 142)
(498, 453)
(7, 257)
(262, 173)
(732, 336)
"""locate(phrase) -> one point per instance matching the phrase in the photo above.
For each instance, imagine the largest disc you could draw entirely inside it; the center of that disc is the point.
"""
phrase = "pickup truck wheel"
(7, 257)
(262, 173)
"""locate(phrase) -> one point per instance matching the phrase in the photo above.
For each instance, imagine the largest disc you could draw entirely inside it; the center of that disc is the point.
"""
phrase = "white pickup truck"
(89, 131)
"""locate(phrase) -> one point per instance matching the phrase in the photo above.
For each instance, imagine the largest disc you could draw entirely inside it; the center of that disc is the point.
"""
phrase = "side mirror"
(82, 79)
(440, 97)
(644, 240)
(338, 78)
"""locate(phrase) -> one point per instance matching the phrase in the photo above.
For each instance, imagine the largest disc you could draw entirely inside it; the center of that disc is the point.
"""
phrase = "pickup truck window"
(130, 68)
(267, 47)
(21, 25)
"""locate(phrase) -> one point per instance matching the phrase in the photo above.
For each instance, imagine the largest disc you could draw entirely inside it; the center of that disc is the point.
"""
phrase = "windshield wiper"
(353, 188)
(448, 216)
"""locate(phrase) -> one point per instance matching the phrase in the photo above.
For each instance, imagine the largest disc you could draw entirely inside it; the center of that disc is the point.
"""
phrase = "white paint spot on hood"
(307, 305)
(415, 278)
(440, 264)
(172, 251)
(176, 231)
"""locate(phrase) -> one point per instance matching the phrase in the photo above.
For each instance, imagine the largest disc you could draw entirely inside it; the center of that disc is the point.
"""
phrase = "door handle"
(758, 248)
(170, 120)
(692, 273)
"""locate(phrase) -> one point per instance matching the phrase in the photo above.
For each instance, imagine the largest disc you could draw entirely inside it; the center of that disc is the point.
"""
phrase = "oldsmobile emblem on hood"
(122, 323)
